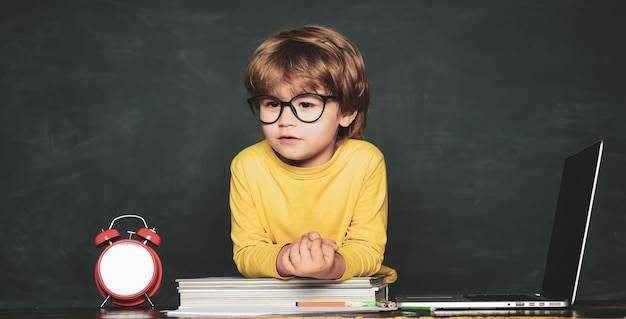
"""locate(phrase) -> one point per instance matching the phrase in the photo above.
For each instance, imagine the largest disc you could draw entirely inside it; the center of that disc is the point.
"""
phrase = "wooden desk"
(581, 310)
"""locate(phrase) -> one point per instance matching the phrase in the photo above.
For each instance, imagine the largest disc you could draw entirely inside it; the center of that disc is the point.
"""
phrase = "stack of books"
(272, 292)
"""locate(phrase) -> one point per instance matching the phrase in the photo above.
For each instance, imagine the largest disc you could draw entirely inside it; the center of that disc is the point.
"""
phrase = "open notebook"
(565, 253)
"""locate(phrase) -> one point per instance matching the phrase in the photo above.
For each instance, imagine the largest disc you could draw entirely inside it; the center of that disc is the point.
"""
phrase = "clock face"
(127, 269)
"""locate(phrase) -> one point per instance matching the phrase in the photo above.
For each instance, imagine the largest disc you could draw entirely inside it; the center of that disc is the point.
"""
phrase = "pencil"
(335, 304)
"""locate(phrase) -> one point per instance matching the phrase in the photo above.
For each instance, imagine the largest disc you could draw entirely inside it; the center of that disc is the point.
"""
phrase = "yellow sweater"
(345, 200)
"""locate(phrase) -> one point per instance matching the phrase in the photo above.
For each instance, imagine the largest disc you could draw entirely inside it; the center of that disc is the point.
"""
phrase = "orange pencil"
(334, 304)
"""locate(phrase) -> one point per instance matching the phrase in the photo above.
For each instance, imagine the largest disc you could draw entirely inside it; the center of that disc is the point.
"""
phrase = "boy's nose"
(287, 116)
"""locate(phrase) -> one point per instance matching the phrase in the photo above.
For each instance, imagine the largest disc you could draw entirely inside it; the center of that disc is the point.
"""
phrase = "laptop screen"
(569, 233)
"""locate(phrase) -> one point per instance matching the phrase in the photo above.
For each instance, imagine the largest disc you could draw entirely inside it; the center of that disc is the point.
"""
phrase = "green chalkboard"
(137, 107)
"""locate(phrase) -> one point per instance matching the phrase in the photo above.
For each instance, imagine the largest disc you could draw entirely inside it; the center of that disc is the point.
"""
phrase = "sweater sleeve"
(254, 253)
(366, 237)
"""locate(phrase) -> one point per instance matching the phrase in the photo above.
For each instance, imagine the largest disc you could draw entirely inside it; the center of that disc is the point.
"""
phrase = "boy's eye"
(269, 103)
(306, 105)
(308, 101)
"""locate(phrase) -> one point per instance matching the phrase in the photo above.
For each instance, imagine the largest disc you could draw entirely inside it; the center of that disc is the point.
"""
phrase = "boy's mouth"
(288, 139)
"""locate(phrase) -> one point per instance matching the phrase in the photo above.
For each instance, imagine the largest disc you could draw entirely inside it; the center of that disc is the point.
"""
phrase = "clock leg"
(149, 300)
(105, 301)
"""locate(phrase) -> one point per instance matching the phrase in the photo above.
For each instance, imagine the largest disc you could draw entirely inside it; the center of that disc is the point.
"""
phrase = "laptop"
(565, 252)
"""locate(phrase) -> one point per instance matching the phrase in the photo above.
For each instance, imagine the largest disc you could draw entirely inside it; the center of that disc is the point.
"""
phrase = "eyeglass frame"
(324, 97)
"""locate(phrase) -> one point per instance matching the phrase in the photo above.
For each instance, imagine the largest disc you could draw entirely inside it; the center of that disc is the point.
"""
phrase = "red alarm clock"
(128, 271)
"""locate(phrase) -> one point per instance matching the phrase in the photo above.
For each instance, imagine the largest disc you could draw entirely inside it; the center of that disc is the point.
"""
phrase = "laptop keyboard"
(501, 297)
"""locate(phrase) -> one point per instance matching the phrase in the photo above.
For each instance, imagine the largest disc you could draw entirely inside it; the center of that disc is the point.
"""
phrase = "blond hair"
(318, 57)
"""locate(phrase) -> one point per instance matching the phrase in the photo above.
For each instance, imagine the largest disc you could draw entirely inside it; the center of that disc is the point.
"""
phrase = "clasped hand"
(310, 255)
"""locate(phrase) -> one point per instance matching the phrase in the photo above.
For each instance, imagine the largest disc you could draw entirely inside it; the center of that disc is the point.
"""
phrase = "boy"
(310, 200)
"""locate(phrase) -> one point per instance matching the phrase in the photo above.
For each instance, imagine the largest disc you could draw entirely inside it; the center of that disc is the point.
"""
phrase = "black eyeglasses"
(307, 107)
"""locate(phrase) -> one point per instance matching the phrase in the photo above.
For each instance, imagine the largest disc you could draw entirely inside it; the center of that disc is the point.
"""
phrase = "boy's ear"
(347, 118)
